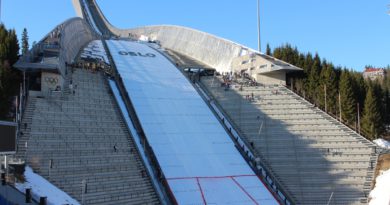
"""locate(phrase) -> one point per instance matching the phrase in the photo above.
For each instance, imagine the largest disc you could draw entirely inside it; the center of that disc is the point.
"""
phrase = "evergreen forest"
(362, 104)
(10, 78)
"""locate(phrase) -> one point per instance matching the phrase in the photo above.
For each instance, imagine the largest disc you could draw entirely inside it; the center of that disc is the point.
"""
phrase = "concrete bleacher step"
(306, 149)
(26, 127)
(77, 134)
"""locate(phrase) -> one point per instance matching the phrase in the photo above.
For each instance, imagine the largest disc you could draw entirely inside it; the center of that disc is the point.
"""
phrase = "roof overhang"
(36, 67)
(286, 69)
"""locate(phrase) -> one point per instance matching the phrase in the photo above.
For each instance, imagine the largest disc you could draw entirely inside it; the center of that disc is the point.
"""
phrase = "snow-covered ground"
(382, 143)
(95, 50)
(40, 187)
(380, 195)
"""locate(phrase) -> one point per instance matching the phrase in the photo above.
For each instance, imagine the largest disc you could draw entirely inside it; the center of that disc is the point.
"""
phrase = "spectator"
(115, 148)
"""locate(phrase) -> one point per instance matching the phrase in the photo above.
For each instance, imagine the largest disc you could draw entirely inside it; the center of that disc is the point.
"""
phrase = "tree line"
(10, 78)
(360, 103)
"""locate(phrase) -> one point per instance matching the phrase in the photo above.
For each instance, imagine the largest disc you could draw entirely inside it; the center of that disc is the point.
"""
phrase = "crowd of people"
(240, 78)
(91, 66)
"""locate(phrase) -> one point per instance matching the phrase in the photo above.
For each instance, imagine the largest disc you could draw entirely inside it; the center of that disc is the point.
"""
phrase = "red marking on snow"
(171, 192)
(214, 177)
(242, 188)
(225, 177)
(201, 191)
(273, 193)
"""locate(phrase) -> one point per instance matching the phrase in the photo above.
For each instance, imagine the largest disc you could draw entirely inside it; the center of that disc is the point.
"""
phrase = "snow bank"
(41, 187)
(382, 143)
(380, 195)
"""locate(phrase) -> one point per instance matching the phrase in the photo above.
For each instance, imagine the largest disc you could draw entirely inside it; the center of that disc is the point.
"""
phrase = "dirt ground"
(383, 164)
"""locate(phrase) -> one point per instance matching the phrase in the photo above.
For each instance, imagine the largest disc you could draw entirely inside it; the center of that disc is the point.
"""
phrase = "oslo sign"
(129, 53)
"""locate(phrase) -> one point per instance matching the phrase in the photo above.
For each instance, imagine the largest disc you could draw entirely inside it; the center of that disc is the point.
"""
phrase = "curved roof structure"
(214, 51)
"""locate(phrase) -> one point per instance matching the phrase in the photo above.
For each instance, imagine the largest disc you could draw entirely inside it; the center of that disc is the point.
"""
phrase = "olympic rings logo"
(51, 80)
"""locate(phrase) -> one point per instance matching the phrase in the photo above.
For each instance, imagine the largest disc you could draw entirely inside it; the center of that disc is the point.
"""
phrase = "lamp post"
(258, 25)
(388, 6)
(0, 13)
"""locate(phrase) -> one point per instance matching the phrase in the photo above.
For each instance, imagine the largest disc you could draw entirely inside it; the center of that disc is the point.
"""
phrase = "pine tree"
(313, 79)
(360, 87)
(9, 77)
(387, 107)
(25, 44)
(328, 81)
(268, 50)
(318, 75)
(348, 102)
(3, 45)
(371, 121)
(380, 95)
(7, 88)
(12, 45)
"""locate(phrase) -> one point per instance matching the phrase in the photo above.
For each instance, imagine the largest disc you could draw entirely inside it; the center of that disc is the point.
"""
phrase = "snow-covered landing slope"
(196, 154)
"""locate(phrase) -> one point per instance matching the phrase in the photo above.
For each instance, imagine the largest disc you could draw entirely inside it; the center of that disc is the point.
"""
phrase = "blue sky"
(351, 33)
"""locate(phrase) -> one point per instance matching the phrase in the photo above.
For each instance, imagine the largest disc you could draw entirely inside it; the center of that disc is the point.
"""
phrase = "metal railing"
(152, 159)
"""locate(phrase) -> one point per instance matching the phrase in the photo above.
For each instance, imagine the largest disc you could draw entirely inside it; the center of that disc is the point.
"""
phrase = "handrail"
(360, 135)
(332, 116)
(34, 201)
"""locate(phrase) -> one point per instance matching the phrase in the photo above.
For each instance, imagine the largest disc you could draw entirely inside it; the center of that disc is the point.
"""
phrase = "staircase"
(81, 138)
(25, 128)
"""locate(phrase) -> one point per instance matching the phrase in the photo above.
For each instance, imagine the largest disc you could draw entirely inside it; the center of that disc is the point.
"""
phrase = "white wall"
(273, 78)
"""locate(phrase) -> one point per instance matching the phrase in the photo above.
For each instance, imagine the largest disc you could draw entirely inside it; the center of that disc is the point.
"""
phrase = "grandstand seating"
(312, 154)
(82, 136)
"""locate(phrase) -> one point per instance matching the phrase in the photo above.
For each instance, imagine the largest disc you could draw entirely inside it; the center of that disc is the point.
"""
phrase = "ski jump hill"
(113, 118)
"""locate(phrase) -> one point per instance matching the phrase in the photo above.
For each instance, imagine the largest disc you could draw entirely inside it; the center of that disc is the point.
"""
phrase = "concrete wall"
(75, 34)
(262, 70)
(211, 50)
(50, 81)
(78, 8)
(273, 78)
(255, 63)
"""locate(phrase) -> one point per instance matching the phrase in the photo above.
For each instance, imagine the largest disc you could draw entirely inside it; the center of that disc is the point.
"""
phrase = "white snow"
(382, 143)
(195, 153)
(143, 38)
(380, 195)
(40, 187)
(95, 50)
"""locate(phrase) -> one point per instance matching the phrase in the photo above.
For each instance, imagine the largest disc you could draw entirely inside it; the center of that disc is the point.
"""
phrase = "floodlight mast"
(258, 26)
(388, 7)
